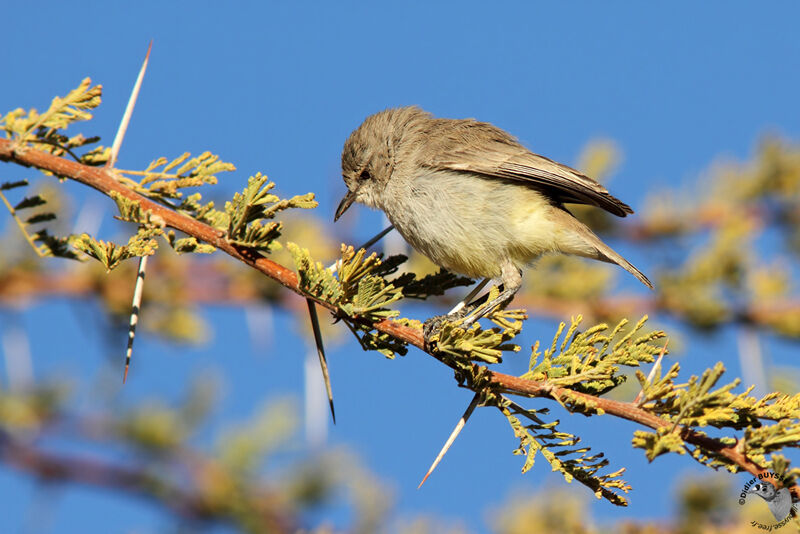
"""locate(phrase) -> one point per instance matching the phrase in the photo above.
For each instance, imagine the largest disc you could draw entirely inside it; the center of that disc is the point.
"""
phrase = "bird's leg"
(434, 324)
(461, 310)
(511, 282)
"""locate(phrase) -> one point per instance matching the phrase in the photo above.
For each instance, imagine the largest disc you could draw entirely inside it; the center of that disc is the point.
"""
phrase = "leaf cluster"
(770, 423)
(41, 241)
(561, 451)
(589, 361)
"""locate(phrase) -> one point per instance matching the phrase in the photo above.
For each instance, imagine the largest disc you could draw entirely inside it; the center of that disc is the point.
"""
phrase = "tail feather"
(608, 255)
(605, 253)
(591, 246)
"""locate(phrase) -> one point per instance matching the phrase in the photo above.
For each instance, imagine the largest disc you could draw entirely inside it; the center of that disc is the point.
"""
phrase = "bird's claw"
(432, 327)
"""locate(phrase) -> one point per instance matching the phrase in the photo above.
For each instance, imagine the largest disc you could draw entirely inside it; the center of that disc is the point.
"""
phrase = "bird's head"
(369, 155)
(764, 490)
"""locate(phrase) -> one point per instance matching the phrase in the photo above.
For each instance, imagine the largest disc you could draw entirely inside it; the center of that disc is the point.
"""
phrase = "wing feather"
(479, 147)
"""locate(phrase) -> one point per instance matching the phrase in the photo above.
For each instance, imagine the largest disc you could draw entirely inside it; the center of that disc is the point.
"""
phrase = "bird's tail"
(583, 242)
(608, 255)
(605, 253)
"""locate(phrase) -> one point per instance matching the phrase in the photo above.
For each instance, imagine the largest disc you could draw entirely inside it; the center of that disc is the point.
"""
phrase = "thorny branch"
(103, 180)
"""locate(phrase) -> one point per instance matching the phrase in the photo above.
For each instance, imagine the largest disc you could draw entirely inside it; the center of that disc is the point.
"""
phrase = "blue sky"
(277, 87)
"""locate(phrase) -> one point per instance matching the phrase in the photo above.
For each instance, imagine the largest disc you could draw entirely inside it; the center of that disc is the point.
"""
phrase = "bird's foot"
(432, 327)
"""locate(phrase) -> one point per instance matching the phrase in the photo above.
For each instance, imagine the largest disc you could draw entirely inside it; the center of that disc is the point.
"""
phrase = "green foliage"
(5, 186)
(659, 442)
(314, 279)
(429, 285)
(477, 344)
(364, 294)
(188, 244)
(371, 339)
(247, 218)
(76, 106)
(154, 428)
(359, 295)
(587, 361)
(111, 255)
(354, 289)
(205, 213)
(243, 448)
(55, 246)
(180, 173)
(248, 212)
(696, 404)
(131, 211)
(560, 451)
(42, 243)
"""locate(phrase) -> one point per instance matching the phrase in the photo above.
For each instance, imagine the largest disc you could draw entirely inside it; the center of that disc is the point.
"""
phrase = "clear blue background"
(277, 87)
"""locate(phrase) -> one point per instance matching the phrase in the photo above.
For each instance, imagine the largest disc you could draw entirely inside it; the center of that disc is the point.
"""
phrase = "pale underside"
(474, 225)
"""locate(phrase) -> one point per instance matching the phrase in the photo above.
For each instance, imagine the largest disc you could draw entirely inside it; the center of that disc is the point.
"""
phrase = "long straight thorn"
(137, 302)
(323, 362)
(377, 237)
(453, 435)
(112, 160)
(466, 300)
(126, 117)
(312, 315)
(652, 373)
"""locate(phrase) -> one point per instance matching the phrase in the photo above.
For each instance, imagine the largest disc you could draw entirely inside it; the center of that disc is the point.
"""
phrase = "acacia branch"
(103, 180)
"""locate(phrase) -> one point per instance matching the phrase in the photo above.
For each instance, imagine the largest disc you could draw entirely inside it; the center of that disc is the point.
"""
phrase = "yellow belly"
(474, 225)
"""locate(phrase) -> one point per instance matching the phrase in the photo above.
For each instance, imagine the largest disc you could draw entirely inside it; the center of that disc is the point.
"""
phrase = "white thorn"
(453, 435)
(466, 300)
(126, 117)
(335, 265)
(652, 373)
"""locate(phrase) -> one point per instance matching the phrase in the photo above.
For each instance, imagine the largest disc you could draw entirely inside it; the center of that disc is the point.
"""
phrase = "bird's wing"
(478, 147)
(782, 504)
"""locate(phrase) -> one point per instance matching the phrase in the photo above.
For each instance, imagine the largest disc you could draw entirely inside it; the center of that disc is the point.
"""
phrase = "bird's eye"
(364, 175)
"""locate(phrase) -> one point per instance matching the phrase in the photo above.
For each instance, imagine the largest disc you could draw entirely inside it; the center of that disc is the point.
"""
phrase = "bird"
(779, 501)
(471, 198)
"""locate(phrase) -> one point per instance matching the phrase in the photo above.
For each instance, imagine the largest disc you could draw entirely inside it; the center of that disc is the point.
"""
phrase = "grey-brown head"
(369, 154)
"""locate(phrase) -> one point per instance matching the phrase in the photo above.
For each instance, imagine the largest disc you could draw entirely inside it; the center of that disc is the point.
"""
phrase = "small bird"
(778, 501)
(471, 198)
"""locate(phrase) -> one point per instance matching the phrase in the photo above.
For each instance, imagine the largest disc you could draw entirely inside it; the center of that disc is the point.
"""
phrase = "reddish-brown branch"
(104, 182)
(624, 410)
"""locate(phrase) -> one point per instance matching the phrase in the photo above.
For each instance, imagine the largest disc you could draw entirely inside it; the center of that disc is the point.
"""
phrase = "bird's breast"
(469, 223)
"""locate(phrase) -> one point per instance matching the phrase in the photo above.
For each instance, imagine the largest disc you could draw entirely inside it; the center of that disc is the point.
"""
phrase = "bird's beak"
(344, 204)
